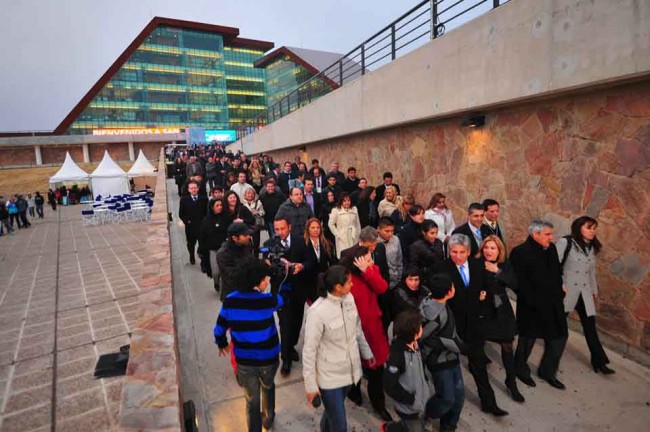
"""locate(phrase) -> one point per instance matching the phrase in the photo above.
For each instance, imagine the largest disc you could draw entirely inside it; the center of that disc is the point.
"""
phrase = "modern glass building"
(176, 74)
(288, 67)
(179, 74)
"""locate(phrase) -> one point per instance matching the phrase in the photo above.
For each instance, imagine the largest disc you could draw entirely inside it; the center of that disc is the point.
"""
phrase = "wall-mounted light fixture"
(474, 121)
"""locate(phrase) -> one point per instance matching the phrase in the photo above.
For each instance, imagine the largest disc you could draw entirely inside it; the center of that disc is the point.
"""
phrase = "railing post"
(363, 59)
(341, 72)
(434, 19)
(392, 41)
(495, 4)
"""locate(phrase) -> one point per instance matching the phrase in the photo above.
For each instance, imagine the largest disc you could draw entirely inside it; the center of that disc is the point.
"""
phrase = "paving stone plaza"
(67, 295)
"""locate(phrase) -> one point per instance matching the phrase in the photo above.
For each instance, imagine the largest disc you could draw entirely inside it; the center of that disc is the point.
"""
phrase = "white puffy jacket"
(333, 339)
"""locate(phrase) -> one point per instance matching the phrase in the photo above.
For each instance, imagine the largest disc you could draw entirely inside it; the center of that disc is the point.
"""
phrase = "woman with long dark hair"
(212, 235)
(367, 285)
(367, 208)
(320, 252)
(498, 323)
(236, 211)
(577, 253)
(334, 346)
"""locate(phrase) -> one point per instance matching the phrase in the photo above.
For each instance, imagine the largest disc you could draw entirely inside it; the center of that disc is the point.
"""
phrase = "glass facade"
(179, 78)
(282, 76)
(245, 84)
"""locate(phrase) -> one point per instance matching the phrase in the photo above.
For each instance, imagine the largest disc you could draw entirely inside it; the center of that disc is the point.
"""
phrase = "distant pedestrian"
(51, 199)
(31, 205)
(39, 201)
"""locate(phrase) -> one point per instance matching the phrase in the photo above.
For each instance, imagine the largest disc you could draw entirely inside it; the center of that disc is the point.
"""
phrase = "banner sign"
(147, 131)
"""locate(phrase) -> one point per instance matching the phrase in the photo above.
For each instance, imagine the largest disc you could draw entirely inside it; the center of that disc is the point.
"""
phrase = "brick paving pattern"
(67, 295)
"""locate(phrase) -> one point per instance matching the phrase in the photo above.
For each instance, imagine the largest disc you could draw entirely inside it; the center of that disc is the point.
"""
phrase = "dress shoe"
(495, 411)
(285, 370)
(383, 414)
(527, 380)
(294, 355)
(554, 382)
(604, 370)
(514, 391)
(192, 260)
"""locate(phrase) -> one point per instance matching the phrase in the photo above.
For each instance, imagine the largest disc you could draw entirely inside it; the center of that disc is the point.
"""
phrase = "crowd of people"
(395, 291)
(16, 210)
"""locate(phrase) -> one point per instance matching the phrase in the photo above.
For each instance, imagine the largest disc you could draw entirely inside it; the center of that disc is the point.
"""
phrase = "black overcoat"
(540, 308)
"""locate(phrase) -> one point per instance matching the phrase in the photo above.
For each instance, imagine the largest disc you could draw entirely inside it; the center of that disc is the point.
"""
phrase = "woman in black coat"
(235, 211)
(411, 232)
(212, 234)
(427, 253)
(367, 208)
(498, 323)
(320, 253)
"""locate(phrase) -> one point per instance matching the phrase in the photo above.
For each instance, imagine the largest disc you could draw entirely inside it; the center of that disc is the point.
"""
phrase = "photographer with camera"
(286, 254)
(237, 246)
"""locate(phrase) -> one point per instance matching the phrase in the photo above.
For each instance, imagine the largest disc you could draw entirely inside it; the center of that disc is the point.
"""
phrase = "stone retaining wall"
(557, 159)
(151, 393)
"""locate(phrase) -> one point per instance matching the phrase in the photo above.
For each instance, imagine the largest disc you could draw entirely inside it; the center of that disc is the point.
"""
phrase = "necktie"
(478, 234)
(463, 275)
(194, 198)
(286, 243)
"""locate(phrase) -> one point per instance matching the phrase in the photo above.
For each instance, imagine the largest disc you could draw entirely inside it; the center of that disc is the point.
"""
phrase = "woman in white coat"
(344, 224)
(441, 215)
(334, 345)
(577, 254)
(252, 202)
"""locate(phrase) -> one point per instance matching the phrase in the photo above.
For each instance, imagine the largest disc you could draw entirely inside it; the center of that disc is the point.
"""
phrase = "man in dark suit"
(472, 228)
(292, 290)
(192, 209)
(491, 225)
(540, 303)
(351, 182)
(285, 177)
(469, 305)
(320, 180)
(313, 199)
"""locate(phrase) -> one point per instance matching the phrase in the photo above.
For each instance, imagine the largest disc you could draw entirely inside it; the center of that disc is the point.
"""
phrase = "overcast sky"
(53, 51)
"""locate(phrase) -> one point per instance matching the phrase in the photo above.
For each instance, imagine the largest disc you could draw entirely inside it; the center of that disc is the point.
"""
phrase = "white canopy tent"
(69, 172)
(108, 178)
(142, 167)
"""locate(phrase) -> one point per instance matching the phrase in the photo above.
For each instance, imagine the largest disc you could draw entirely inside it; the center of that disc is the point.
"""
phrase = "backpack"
(569, 243)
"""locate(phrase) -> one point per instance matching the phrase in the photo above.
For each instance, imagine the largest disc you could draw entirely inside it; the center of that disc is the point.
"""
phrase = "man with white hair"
(540, 308)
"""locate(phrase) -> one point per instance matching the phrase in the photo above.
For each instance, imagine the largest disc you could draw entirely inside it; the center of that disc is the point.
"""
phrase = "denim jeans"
(258, 380)
(334, 418)
(447, 403)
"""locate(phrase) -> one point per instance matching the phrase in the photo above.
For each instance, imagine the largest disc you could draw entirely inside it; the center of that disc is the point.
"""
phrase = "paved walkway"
(67, 295)
(591, 402)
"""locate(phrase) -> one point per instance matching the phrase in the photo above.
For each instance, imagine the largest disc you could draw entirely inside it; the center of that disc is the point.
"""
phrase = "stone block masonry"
(557, 159)
(151, 392)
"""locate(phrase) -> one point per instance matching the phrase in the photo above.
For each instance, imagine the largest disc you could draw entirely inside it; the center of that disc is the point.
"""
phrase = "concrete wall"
(19, 152)
(574, 155)
(521, 50)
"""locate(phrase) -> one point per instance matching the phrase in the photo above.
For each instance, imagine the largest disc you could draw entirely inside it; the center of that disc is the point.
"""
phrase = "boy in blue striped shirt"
(248, 314)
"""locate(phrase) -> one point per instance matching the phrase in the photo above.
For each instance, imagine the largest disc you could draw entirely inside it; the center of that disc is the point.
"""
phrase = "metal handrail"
(440, 14)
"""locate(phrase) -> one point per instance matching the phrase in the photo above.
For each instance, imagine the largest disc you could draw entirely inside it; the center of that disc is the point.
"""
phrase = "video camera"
(275, 251)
